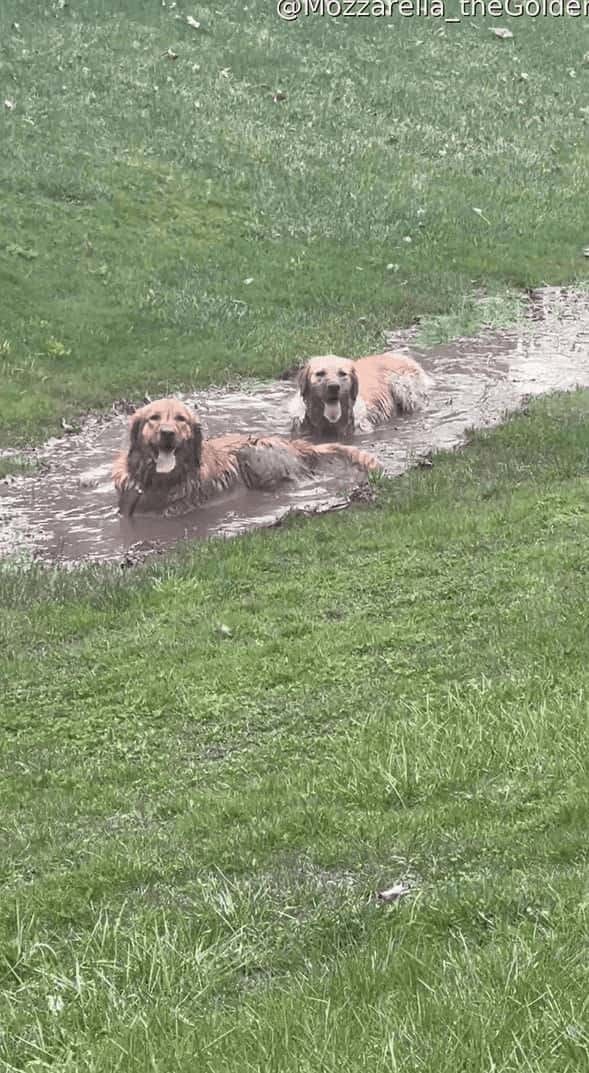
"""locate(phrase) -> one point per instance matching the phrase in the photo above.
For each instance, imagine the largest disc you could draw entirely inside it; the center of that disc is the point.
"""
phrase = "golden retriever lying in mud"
(168, 468)
(338, 396)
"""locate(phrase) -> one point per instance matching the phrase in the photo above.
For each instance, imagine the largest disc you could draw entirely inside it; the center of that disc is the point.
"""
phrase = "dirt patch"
(67, 512)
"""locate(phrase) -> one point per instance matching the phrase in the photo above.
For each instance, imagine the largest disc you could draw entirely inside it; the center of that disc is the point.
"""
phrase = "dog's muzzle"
(165, 460)
(332, 407)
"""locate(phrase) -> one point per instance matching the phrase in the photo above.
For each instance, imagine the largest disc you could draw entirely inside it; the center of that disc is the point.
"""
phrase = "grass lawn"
(141, 194)
(195, 819)
(209, 765)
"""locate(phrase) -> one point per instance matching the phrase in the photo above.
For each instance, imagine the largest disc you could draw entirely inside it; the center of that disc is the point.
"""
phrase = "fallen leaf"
(499, 31)
(170, 54)
(193, 22)
(224, 630)
(279, 96)
(250, 279)
(480, 213)
(394, 893)
(9, 105)
(586, 251)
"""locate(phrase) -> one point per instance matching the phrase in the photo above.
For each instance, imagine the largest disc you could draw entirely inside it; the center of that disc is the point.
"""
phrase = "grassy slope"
(139, 192)
(194, 822)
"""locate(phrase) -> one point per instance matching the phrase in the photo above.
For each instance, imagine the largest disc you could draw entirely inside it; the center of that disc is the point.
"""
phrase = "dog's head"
(167, 436)
(329, 389)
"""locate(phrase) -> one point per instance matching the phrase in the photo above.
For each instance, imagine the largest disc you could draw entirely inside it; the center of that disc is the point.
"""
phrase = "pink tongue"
(333, 411)
(165, 461)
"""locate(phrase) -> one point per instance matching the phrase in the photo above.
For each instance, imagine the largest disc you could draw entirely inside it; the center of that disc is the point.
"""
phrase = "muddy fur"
(168, 468)
(338, 396)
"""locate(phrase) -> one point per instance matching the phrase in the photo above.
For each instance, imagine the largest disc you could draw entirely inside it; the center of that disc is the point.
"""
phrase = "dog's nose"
(333, 391)
(167, 433)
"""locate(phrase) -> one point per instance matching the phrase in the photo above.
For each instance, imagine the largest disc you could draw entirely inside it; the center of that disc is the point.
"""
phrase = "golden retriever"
(338, 396)
(169, 469)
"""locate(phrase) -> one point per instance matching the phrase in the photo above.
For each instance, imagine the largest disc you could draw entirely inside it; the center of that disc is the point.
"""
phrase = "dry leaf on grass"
(480, 213)
(68, 429)
(280, 95)
(9, 105)
(394, 893)
(193, 22)
(500, 32)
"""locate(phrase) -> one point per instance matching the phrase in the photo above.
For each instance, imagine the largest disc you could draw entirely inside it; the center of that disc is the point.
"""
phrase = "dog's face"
(329, 387)
(167, 434)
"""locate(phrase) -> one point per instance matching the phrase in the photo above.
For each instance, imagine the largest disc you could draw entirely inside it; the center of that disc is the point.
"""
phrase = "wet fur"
(206, 468)
(372, 391)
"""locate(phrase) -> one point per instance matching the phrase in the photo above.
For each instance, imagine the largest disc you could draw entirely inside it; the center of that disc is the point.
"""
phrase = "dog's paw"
(297, 411)
(129, 496)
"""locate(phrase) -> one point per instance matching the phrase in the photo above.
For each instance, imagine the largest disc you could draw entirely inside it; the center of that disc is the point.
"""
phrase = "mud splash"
(67, 514)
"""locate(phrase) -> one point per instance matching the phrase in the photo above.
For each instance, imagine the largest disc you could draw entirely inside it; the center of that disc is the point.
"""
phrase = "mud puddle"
(68, 512)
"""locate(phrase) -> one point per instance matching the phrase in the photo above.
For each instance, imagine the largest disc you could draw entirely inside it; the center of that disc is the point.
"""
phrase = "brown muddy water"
(68, 514)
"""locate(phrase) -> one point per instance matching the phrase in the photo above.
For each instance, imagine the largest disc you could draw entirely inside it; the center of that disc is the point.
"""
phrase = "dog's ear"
(355, 385)
(135, 458)
(136, 424)
(304, 381)
(196, 430)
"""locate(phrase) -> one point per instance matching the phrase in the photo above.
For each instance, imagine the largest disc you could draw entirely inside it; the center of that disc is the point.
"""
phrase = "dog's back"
(390, 382)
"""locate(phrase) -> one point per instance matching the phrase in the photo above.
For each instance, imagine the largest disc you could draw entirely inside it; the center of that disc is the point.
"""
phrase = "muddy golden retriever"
(168, 467)
(337, 396)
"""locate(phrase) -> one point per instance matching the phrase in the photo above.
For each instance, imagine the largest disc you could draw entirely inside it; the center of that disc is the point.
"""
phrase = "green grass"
(195, 822)
(209, 765)
(139, 193)
(14, 465)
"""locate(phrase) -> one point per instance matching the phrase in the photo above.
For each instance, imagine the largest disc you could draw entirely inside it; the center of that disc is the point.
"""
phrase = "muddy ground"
(67, 512)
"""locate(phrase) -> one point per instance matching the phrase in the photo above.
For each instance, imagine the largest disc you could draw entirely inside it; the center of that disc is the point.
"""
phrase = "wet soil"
(67, 512)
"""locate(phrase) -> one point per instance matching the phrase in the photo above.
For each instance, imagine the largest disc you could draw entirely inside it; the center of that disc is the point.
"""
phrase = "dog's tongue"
(165, 461)
(333, 411)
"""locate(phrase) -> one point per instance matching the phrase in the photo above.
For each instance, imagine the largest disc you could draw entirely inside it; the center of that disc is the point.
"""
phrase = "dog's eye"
(180, 417)
(155, 417)
(320, 374)
(342, 373)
